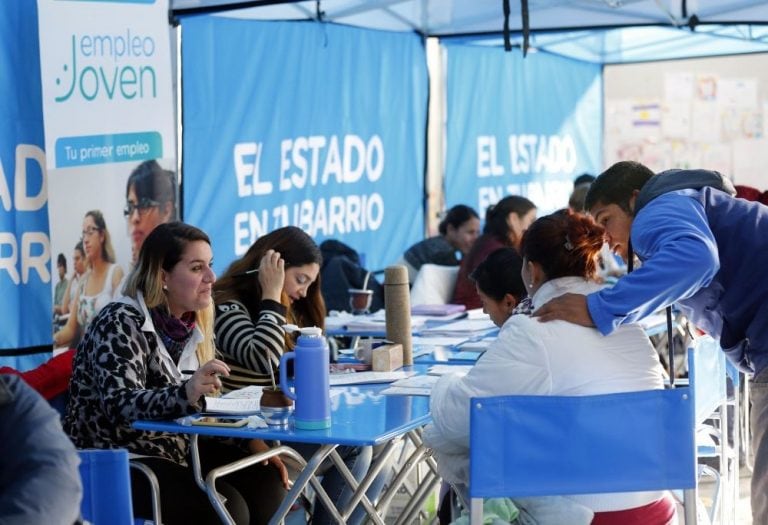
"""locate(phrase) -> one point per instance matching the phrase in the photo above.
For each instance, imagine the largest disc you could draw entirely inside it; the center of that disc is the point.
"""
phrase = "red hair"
(565, 244)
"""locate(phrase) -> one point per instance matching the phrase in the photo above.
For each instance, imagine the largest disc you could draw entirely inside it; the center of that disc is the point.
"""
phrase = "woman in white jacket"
(558, 358)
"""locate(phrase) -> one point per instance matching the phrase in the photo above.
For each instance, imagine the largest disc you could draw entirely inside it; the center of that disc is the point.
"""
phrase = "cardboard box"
(387, 357)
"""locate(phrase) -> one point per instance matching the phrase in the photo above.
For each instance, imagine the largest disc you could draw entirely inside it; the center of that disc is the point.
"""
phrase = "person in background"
(80, 265)
(505, 223)
(576, 200)
(532, 358)
(747, 192)
(700, 248)
(458, 231)
(95, 289)
(129, 367)
(610, 266)
(100, 283)
(499, 285)
(251, 308)
(59, 292)
(583, 179)
(39, 476)
(51, 379)
(501, 290)
(150, 199)
(276, 282)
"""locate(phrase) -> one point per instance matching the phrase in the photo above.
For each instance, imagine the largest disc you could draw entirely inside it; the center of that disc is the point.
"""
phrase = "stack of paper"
(438, 310)
(464, 327)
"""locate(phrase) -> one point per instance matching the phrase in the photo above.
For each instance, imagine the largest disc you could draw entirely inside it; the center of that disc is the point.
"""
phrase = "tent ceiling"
(591, 30)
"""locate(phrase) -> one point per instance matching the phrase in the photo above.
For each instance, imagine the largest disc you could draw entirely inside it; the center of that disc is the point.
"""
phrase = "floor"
(743, 511)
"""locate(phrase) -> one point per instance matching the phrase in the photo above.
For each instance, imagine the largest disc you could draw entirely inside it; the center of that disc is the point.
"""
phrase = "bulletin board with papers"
(690, 114)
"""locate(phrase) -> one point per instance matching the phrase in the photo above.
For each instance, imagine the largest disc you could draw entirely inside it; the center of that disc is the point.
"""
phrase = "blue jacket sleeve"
(672, 238)
(39, 476)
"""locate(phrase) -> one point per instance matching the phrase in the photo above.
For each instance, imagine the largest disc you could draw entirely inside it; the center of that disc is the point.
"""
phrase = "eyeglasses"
(143, 206)
(90, 230)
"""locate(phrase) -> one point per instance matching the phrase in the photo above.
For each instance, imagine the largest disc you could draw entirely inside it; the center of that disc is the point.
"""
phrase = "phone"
(219, 422)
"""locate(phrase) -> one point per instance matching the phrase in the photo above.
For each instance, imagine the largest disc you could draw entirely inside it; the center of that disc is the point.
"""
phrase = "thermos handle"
(284, 374)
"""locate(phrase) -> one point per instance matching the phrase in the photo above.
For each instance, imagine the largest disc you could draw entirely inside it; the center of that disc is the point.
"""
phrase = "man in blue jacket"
(39, 476)
(700, 248)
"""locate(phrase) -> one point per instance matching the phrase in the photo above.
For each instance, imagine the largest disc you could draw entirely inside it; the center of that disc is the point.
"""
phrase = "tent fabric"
(608, 31)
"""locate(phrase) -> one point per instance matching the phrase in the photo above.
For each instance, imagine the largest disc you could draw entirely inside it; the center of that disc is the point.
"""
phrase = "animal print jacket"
(122, 373)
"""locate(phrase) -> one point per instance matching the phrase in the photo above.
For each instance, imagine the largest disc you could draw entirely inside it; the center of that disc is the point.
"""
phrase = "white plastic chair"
(434, 284)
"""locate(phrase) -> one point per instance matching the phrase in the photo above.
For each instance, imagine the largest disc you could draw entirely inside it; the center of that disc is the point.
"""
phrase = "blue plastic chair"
(707, 372)
(526, 446)
(106, 487)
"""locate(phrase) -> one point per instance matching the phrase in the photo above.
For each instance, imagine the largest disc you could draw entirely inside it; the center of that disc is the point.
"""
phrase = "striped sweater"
(250, 349)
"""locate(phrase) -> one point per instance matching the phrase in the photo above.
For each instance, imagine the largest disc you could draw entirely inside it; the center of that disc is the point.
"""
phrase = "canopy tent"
(603, 31)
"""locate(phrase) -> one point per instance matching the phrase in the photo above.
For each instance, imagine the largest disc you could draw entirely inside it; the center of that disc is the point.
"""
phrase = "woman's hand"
(256, 446)
(271, 275)
(206, 380)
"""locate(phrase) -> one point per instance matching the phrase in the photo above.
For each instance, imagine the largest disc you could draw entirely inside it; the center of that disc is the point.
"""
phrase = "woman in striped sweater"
(276, 282)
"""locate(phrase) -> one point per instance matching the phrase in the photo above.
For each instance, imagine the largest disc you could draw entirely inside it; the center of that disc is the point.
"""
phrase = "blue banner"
(303, 123)
(25, 258)
(519, 126)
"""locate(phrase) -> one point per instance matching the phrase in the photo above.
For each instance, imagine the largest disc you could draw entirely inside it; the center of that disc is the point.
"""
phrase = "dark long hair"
(496, 216)
(499, 274)
(297, 249)
(456, 216)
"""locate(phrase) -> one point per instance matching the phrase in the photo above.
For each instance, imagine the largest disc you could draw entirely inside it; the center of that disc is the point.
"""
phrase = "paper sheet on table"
(464, 327)
(439, 370)
(338, 320)
(438, 340)
(476, 346)
(417, 381)
(400, 391)
(223, 405)
(361, 378)
(419, 385)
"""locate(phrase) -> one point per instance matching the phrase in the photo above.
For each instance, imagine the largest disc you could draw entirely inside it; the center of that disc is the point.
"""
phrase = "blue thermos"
(311, 380)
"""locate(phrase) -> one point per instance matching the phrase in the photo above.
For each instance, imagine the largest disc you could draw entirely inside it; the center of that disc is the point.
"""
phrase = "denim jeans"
(357, 460)
(758, 393)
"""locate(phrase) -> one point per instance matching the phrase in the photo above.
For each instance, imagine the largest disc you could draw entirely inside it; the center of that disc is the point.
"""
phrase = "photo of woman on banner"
(100, 283)
(150, 200)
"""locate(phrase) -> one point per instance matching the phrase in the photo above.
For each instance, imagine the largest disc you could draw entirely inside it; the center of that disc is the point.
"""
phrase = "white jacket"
(553, 358)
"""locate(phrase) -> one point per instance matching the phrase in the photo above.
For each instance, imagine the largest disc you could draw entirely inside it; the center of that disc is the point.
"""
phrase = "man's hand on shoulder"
(569, 307)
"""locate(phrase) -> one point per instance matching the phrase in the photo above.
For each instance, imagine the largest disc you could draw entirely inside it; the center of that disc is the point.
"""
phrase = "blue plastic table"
(360, 416)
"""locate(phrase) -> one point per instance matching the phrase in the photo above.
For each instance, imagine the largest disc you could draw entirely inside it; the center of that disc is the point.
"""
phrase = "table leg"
(306, 476)
(415, 457)
(359, 496)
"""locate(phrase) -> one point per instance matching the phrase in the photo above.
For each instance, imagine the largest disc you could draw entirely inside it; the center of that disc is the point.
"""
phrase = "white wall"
(663, 114)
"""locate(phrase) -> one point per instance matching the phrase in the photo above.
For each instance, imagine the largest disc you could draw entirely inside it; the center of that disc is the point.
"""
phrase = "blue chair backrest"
(106, 487)
(524, 446)
(707, 376)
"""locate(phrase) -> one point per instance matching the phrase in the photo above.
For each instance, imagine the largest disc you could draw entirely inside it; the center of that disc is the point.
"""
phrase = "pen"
(247, 272)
